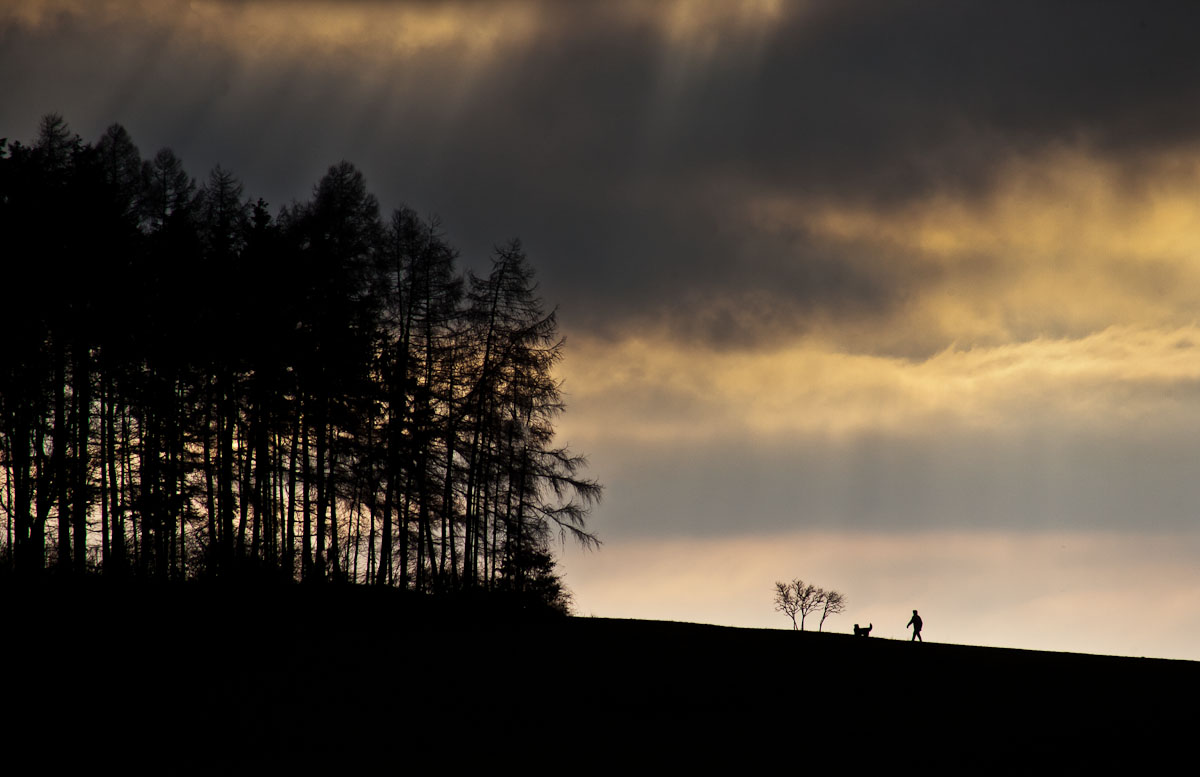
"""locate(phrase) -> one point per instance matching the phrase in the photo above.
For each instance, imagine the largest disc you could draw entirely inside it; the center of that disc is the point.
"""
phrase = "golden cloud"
(1067, 204)
(308, 26)
(658, 390)
(1063, 244)
(479, 29)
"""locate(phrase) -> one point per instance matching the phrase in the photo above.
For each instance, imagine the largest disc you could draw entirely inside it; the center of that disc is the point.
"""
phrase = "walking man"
(915, 622)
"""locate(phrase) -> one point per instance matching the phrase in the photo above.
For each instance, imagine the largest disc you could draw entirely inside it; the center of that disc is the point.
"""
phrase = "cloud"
(651, 390)
(1063, 245)
(920, 246)
(1098, 432)
(305, 27)
(735, 172)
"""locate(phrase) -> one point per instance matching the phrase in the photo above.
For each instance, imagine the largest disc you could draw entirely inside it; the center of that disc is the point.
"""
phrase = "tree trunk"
(59, 461)
(83, 386)
(306, 560)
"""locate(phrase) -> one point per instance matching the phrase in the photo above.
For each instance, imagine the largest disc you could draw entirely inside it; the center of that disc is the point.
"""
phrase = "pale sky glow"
(899, 298)
(1133, 594)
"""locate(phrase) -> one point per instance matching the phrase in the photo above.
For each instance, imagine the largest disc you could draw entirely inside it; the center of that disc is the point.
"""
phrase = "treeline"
(191, 387)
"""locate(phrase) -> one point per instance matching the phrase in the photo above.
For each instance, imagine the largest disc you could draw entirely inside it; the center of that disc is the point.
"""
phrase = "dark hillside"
(199, 679)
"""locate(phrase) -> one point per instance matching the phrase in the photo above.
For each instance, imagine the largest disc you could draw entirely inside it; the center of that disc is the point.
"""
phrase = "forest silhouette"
(193, 388)
(196, 390)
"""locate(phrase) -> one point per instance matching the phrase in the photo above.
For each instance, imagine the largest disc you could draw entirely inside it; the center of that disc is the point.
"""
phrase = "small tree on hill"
(833, 603)
(799, 599)
(809, 599)
(785, 601)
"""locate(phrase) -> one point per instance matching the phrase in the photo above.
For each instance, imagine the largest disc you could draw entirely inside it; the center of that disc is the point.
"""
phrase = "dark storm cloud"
(625, 157)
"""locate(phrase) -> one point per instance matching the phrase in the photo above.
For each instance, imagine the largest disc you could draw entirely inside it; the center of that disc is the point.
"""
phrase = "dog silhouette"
(863, 631)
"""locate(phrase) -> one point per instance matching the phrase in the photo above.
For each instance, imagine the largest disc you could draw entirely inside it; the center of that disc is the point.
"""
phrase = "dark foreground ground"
(354, 681)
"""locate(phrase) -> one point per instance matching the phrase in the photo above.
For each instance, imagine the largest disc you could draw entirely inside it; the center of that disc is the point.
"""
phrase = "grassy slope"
(208, 679)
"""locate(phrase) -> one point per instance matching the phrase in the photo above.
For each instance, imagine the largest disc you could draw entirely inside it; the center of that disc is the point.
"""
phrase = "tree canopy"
(193, 388)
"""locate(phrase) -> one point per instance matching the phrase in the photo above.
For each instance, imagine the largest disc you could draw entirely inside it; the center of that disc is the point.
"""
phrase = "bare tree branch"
(785, 601)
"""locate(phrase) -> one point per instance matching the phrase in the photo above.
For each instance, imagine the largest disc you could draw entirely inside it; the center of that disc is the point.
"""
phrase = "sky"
(897, 298)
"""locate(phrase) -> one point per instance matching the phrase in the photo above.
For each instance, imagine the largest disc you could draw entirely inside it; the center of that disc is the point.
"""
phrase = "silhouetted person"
(915, 622)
